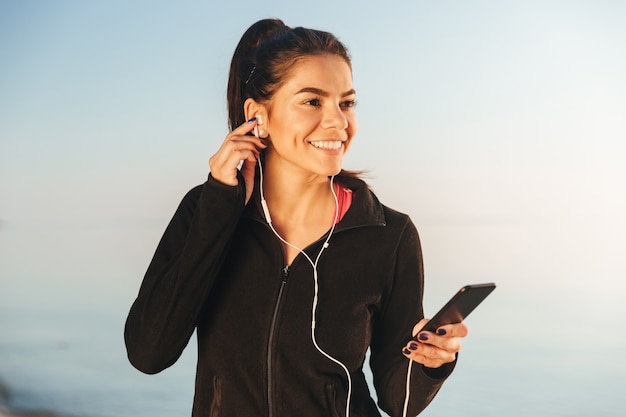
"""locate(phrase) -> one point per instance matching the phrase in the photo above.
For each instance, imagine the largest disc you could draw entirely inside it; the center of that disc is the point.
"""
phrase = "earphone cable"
(407, 387)
(268, 218)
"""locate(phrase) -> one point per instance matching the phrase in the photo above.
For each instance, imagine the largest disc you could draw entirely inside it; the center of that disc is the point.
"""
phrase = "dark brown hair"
(266, 53)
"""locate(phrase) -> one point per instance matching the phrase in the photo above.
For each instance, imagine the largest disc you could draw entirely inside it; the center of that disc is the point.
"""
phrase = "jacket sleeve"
(181, 274)
(401, 311)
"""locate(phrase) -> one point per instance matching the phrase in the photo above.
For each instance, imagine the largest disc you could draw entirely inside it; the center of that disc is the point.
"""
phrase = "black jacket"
(219, 269)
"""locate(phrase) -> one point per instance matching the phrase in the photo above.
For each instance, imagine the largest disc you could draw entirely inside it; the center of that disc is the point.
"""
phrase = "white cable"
(266, 212)
(407, 392)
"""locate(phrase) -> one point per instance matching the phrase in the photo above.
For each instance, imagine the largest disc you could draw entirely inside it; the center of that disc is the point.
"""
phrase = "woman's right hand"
(238, 146)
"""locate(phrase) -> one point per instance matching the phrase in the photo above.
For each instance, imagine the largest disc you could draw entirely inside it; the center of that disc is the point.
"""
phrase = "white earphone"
(268, 218)
(259, 121)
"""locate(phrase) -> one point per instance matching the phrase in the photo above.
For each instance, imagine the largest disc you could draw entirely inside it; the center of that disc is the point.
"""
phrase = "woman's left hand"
(435, 349)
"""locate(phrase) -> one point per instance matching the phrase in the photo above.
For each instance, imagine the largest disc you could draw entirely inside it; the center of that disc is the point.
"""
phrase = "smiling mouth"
(332, 145)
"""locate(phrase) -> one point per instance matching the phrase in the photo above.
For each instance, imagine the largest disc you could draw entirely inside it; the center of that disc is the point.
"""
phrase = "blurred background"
(498, 126)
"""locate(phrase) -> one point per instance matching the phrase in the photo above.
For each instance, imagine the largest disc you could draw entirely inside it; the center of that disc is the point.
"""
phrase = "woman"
(288, 267)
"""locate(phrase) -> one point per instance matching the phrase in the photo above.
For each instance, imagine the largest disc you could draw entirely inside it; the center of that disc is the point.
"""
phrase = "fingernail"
(423, 336)
(413, 346)
(441, 332)
(406, 351)
(252, 120)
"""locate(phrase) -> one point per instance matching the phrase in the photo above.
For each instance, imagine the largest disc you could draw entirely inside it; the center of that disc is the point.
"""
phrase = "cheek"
(296, 124)
(353, 126)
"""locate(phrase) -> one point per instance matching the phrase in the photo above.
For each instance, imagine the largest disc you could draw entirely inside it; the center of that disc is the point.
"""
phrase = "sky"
(498, 126)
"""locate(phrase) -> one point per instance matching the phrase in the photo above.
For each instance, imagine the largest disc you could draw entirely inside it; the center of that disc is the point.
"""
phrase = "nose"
(334, 118)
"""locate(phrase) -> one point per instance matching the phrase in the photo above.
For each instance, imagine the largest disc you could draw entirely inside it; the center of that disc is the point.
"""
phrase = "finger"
(243, 145)
(450, 330)
(448, 337)
(234, 159)
(454, 330)
(229, 157)
(242, 132)
(419, 326)
(224, 164)
(428, 355)
(238, 146)
(237, 142)
(447, 343)
(245, 127)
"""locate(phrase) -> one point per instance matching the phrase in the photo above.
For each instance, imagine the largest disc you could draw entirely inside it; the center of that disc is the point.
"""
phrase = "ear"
(251, 109)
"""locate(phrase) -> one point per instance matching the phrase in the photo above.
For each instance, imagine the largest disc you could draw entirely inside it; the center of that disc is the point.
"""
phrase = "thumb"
(419, 326)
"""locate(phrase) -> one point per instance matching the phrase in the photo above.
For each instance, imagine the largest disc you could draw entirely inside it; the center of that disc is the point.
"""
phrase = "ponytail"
(242, 66)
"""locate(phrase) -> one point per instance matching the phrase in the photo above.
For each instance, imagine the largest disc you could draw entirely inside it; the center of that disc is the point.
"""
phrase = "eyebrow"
(323, 93)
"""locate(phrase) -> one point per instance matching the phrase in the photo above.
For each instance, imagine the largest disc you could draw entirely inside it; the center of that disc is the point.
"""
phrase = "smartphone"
(460, 306)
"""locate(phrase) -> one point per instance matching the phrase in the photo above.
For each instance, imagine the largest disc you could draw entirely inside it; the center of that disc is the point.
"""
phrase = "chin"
(333, 172)
(328, 169)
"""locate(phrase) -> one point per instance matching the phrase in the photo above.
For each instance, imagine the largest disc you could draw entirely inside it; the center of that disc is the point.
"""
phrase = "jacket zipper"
(270, 350)
(272, 334)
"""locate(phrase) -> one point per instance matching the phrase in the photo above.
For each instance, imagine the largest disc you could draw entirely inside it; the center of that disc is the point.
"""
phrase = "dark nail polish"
(413, 346)
(423, 336)
(252, 120)
(406, 351)
(441, 332)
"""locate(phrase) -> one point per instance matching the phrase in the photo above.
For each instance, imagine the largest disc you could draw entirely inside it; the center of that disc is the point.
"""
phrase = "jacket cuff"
(442, 372)
(220, 186)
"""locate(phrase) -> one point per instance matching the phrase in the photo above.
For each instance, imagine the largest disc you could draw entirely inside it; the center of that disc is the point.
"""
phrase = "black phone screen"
(460, 306)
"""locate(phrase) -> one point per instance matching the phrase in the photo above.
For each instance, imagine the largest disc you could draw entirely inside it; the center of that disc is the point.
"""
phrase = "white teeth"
(332, 145)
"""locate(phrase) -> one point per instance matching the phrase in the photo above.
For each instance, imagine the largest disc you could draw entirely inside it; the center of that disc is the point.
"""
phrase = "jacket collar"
(365, 210)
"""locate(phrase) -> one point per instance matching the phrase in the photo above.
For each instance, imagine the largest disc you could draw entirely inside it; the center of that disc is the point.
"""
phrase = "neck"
(297, 198)
(301, 206)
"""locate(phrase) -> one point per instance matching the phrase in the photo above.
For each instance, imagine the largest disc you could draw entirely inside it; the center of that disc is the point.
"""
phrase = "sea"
(537, 348)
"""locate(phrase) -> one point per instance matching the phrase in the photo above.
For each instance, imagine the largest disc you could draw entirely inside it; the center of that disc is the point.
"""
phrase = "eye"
(348, 104)
(315, 102)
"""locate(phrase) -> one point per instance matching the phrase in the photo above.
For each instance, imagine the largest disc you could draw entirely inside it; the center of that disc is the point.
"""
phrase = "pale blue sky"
(498, 126)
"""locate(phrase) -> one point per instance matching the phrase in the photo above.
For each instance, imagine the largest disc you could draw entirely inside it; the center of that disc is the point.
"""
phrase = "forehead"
(326, 72)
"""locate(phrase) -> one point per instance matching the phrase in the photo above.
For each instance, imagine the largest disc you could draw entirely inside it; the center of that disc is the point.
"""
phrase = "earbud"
(259, 121)
(259, 132)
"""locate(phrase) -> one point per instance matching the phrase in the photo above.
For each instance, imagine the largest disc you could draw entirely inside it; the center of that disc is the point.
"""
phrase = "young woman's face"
(311, 120)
